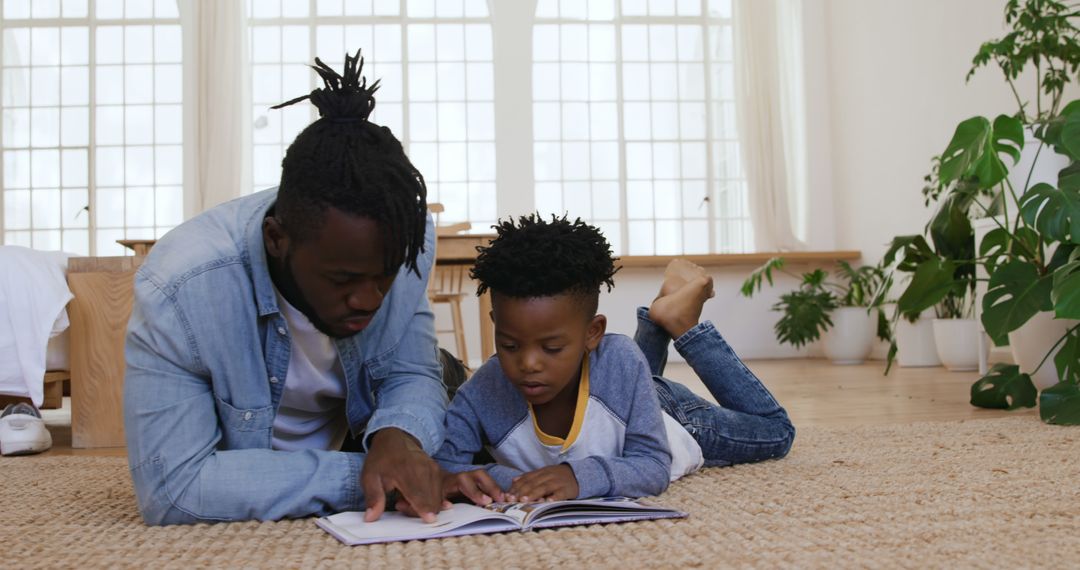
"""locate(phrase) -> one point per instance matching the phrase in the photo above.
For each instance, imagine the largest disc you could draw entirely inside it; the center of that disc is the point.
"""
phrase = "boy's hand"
(396, 462)
(553, 483)
(475, 485)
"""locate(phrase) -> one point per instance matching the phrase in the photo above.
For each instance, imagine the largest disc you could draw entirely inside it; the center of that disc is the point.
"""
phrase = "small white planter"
(957, 342)
(915, 342)
(851, 337)
(1030, 343)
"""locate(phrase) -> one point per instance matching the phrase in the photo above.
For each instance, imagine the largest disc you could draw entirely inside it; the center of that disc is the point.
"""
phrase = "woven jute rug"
(983, 493)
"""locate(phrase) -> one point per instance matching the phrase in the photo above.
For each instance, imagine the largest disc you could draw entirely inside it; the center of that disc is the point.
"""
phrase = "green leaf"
(1054, 212)
(1065, 292)
(932, 281)
(1067, 360)
(1070, 131)
(1004, 388)
(1008, 137)
(950, 229)
(805, 316)
(1060, 404)
(753, 282)
(1064, 254)
(1053, 133)
(884, 330)
(994, 248)
(975, 146)
(1069, 177)
(891, 357)
(1016, 292)
(912, 250)
(814, 279)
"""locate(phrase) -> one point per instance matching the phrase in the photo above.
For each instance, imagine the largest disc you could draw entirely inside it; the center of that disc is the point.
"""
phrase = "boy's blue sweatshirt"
(621, 446)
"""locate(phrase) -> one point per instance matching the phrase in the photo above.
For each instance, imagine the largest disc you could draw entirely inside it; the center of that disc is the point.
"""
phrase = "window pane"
(652, 136)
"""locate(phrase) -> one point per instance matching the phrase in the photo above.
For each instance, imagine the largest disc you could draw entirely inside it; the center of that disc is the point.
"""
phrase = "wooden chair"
(447, 285)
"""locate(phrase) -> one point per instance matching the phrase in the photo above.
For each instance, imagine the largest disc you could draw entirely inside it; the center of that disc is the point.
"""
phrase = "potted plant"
(1032, 254)
(941, 276)
(842, 309)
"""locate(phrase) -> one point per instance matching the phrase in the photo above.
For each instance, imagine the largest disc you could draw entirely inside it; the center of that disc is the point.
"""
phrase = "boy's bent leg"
(729, 380)
(726, 437)
(653, 341)
(749, 424)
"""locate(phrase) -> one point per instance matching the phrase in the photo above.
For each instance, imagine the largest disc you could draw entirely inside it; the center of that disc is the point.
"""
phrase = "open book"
(350, 528)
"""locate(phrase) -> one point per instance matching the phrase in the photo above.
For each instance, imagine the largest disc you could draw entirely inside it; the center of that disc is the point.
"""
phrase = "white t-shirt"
(311, 414)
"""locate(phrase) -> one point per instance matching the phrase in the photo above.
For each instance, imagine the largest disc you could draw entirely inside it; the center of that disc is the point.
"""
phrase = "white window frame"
(312, 21)
(91, 22)
(512, 26)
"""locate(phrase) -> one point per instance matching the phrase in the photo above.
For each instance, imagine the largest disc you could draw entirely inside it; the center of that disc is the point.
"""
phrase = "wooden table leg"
(487, 328)
(99, 314)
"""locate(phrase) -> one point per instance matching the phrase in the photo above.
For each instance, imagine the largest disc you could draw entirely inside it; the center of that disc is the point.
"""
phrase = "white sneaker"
(22, 431)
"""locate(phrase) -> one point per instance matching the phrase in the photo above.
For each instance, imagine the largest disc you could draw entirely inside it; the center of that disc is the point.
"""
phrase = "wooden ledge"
(742, 259)
(108, 264)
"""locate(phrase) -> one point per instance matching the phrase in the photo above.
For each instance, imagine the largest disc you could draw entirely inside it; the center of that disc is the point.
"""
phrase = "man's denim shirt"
(207, 354)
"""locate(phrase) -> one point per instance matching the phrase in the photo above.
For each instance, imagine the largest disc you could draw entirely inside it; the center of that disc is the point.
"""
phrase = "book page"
(464, 518)
(604, 509)
(350, 528)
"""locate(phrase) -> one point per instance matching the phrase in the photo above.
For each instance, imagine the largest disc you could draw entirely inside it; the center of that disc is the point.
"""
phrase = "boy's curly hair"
(537, 258)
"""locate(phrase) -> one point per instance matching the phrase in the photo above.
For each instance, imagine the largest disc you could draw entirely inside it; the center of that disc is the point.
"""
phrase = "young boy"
(569, 412)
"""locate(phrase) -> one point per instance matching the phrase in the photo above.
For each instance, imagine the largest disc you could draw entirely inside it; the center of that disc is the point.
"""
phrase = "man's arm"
(173, 429)
(406, 427)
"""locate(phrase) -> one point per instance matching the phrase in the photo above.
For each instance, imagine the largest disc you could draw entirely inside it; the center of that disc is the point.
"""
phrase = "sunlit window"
(634, 125)
(435, 62)
(92, 123)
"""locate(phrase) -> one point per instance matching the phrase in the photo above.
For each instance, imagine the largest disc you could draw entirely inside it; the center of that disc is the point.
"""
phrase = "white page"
(396, 526)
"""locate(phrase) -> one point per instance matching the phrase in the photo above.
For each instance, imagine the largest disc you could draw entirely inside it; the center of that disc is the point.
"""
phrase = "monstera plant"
(1032, 255)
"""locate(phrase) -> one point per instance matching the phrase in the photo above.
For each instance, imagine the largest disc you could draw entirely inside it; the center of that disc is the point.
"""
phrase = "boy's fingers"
(472, 492)
(488, 485)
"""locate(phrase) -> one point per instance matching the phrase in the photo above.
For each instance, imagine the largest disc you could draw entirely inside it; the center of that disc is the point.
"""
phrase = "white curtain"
(769, 105)
(222, 99)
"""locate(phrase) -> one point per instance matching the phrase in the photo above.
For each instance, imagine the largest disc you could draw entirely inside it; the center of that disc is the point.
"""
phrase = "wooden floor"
(815, 393)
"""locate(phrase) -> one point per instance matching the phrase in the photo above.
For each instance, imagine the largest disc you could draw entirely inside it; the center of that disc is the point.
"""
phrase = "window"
(92, 123)
(634, 124)
(435, 61)
(617, 111)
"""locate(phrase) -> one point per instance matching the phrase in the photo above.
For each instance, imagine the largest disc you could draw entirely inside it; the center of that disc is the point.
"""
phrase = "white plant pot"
(851, 337)
(915, 343)
(957, 342)
(1030, 342)
(1049, 165)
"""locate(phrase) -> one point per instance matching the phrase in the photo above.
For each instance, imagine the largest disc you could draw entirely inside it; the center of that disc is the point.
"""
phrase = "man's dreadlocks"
(345, 161)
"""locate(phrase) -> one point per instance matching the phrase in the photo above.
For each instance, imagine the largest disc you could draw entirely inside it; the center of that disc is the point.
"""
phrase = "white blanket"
(33, 294)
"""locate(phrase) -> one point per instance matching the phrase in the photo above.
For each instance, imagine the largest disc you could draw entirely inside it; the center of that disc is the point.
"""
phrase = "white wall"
(896, 78)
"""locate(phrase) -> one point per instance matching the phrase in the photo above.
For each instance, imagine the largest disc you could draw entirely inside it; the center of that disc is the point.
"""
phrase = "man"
(267, 330)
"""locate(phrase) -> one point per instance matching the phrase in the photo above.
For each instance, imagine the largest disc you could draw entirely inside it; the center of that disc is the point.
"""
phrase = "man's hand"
(552, 483)
(476, 485)
(396, 462)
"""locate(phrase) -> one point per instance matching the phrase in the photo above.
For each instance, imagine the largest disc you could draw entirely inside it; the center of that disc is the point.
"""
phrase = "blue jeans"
(748, 425)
